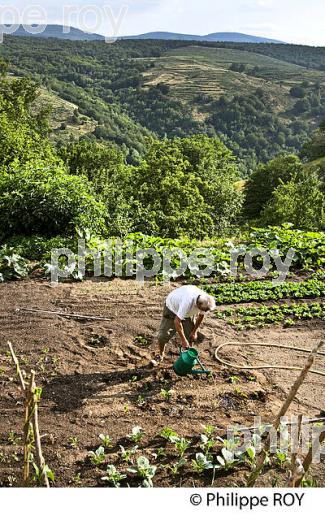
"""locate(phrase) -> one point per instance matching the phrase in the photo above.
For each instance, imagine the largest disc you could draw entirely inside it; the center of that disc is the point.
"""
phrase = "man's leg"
(165, 333)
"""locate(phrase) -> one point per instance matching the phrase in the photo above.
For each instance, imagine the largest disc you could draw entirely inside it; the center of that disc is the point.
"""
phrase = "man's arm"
(180, 331)
(198, 322)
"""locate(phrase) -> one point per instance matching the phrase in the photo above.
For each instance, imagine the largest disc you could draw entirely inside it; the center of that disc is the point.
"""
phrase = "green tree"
(101, 163)
(299, 201)
(23, 129)
(38, 198)
(265, 179)
(186, 187)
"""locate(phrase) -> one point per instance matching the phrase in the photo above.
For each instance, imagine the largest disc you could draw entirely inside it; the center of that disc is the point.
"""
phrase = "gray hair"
(205, 302)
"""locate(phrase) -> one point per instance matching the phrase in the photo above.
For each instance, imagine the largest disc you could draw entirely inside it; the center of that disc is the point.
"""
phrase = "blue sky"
(296, 21)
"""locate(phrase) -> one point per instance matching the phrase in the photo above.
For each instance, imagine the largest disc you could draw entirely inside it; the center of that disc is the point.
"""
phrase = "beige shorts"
(167, 326)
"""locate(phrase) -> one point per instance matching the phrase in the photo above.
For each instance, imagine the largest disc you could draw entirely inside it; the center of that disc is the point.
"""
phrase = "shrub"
(36, 199)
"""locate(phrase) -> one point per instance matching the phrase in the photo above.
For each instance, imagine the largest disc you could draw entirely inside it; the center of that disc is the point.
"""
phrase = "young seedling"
(106, 440)
(169, 435)
(181, 446)
(13, 438)
(73, 442)
(127, 455)
(39, 473)
(227, 460)
(209, 430)
(281, 458)
(97, 457)
(141, 401)
(113, 476)
(160, 453)
(136, 434)
(167, 394)
(201, 463)
(144, 470)
(207, 444)
(174, 468)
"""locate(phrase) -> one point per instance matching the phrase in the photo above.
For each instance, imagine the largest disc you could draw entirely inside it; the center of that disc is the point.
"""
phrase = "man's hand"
(185, 345)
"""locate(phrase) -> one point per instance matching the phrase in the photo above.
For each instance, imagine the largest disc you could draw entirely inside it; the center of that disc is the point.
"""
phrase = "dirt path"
(96, 378)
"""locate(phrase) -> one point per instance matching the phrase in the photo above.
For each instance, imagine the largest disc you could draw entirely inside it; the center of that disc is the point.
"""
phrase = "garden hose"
(260, 367)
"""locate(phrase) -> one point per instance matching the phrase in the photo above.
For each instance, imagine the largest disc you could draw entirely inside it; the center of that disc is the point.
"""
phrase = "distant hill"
(213, 37)
(59, 31)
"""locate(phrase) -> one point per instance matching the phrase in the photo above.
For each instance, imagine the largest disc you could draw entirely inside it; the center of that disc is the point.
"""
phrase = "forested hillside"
(260, 100)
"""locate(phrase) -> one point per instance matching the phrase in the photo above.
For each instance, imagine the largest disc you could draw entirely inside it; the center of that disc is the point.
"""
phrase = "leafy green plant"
(181, 446)
(97, 457)
(113, 476)
(137, 434)
(209, 430)
(264, 315)
(160, 453)
(281, 457)
(12, 265)
(167, 394)
(227, 460)
(169, 434)
(309, 482)
(39, 473)
(127, 455)
(13, 438)
(106, 440)
(260, 291)
(207, 444)
(74, 442)
(144, 470)
(202, 463)
(174, 468)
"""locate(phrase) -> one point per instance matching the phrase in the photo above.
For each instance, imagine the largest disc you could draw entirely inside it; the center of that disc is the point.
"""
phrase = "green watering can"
(187, 361)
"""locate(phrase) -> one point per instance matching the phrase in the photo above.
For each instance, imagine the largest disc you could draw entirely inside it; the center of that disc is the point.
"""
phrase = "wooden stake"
(309, 457)
(292, 394)
(27, 431)
(30, 419)
(295, 462)
(38, 447)
(16, 362)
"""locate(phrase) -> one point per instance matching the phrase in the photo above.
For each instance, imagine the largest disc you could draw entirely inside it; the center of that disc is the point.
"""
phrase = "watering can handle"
(204, 370)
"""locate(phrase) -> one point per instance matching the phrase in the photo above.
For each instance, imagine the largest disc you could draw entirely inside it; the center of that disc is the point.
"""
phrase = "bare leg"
(161, 349)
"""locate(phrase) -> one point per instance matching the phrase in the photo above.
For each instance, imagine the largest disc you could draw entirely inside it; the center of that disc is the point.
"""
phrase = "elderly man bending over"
(183, 313)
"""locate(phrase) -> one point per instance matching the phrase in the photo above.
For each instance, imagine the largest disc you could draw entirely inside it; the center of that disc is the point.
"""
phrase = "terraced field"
(63, 124)
(197, 70)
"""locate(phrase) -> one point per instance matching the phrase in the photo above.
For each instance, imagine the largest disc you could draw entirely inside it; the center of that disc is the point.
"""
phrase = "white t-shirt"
(182, 301)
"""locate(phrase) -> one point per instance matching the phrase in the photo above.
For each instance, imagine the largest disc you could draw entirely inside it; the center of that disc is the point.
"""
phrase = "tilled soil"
(96, 379)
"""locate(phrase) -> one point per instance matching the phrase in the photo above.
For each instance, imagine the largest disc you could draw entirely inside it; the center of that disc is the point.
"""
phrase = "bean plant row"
(210, 456)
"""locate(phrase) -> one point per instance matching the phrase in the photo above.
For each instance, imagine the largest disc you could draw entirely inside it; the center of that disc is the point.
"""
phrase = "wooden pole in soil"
(38, 447)
(27, 431)
(309, 457)
(296, 466)
(292, 394)
(27, 415)
(31, 419)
